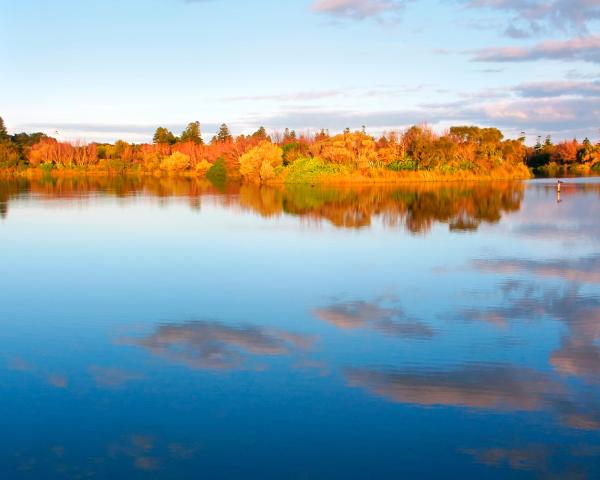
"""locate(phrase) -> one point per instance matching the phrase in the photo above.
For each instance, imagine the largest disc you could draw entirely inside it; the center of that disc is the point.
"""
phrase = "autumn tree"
(192, 133)
(566, 152)
(417, 143)
(259, 163)
(289, 136)
(176, 163)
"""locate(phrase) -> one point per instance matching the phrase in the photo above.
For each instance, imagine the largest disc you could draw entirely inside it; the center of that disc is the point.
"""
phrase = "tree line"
(302, 158)
(566, 157)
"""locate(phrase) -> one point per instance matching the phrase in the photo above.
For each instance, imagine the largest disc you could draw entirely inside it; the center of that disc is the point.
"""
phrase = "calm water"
(172, 329)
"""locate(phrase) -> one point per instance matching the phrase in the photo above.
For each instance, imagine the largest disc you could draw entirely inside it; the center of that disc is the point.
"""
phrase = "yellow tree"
(258, 164)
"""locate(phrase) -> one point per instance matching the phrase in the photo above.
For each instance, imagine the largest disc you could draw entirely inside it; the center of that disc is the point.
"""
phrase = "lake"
(170, 328)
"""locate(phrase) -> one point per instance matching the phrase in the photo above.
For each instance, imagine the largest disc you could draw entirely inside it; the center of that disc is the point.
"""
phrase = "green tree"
(164, 136)
(3, 131)
(217, 174)
(192, 133)
(224, 135)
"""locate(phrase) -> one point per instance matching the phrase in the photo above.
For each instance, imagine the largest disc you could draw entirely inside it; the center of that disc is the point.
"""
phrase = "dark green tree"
(164, 136)
(224, 135)
(3, 131)
(192, 133)
(217, 174)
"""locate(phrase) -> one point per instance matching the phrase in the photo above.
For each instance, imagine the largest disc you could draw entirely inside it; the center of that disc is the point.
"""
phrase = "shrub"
(401, 164)
(176, 163)
(217, 174)
(258, 164)
(203, 167)
(309, 170)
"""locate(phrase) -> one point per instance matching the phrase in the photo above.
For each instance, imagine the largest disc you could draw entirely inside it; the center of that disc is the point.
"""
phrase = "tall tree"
(260, 134)
(192, 133)
(164, 136)
(224, 135)
(3, 131)
(289, 136)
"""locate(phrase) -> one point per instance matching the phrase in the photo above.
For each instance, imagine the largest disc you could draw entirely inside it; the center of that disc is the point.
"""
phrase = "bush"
(258, 164)
(217, 174)
(309, 170)
(203, 167)
(402, 164)
(176, 163)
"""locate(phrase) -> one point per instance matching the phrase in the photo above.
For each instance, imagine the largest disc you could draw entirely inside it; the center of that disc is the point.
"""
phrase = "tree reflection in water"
(416, 206)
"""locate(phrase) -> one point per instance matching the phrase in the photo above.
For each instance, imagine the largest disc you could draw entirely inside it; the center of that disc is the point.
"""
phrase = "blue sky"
(102, 70)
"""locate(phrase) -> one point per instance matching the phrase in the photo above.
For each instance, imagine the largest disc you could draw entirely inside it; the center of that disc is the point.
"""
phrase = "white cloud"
(359, 9)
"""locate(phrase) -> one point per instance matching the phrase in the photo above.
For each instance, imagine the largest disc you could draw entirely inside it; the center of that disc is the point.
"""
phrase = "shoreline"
(389, 178)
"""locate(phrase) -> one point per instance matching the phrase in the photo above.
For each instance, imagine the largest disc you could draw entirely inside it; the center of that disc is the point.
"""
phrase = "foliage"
(164, 136)
(203, 167)
(292, 151)
(192, 133)
(3, 131)
(260, 157)
(217, 174)
(259, 163)
(311, 170)
(224, 135)
(175, 163)
(401, 164)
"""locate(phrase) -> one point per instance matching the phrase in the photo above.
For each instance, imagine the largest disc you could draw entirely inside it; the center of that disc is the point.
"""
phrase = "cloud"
(530, 17)
(360, 9)
(577, 358)
(578, 354)
(359, 314)
(214, 346)
(584, 49)
(58, 380)
(581, 270)
(105, 131)
(139, 448)
(529, 458)
(495, 387)
(560, 88)
(112, 377)
(492, 387)
(289, 97)
(562, 116)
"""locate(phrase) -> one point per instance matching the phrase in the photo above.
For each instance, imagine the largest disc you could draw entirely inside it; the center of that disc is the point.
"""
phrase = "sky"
(101, 70)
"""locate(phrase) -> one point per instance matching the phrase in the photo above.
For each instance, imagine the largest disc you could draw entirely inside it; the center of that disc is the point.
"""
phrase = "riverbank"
(289, 175)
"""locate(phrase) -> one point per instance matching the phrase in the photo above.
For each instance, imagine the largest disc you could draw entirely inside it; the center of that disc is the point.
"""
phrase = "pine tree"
(3, 131)
(224, 134)
(192, 133)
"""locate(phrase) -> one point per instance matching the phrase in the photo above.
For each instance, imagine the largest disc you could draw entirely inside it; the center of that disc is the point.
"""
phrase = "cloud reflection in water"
(207, 345)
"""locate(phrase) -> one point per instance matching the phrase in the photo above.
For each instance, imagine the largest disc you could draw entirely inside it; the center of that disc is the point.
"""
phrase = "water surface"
(163, 328)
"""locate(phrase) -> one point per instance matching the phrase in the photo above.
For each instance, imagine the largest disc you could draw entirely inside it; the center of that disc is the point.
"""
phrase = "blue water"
(172, 329)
